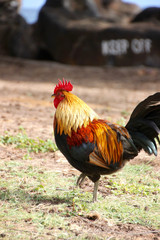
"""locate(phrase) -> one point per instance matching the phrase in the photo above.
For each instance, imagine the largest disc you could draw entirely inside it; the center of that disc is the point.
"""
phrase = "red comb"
(67, 86)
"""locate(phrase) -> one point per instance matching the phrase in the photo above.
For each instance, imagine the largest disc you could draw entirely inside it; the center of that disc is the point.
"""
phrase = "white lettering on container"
(119, 47)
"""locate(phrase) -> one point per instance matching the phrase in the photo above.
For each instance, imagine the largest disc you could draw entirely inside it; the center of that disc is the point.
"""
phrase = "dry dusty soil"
(25, 90)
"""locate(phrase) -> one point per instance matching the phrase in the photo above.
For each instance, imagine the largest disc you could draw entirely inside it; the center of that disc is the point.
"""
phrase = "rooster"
(95, 146)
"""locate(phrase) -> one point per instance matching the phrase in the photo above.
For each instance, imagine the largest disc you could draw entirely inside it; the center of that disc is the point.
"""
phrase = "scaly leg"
(95, 191)
(80, 179)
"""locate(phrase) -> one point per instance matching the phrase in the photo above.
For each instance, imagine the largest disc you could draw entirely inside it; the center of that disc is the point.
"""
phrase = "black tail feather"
(144, 124)
(141, 141)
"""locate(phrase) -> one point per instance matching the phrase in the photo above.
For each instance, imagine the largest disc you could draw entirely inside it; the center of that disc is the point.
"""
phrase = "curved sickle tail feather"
(144, 124)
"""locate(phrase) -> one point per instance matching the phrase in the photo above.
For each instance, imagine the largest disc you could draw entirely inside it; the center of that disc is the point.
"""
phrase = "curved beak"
(53, 95)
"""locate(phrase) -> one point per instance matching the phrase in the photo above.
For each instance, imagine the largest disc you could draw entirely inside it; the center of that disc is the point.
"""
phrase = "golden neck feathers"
(72, 113)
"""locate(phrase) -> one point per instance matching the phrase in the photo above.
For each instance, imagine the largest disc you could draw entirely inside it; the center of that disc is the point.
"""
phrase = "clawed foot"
(80, 180)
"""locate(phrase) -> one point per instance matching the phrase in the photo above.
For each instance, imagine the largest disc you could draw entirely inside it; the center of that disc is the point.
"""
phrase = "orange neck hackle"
(72, 113)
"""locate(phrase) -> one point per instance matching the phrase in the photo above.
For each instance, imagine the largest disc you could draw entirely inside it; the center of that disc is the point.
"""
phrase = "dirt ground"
(25, 90)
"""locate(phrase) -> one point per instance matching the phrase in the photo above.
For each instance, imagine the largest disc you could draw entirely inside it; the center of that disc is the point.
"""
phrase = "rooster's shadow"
(34, 198)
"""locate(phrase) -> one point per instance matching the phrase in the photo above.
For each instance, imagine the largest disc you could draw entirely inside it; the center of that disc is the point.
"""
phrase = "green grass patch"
(21, 140)
(134, 197)
(121, 121)
(41, 204)
(125, 113)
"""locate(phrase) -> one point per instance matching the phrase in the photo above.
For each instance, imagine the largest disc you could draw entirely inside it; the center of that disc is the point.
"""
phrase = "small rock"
(94, 216)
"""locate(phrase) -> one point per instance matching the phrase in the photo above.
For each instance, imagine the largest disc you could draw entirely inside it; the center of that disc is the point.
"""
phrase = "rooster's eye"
(60, 94)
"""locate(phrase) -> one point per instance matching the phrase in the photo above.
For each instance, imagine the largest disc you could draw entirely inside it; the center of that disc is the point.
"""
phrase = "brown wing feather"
(109, 148)
(96, 160)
